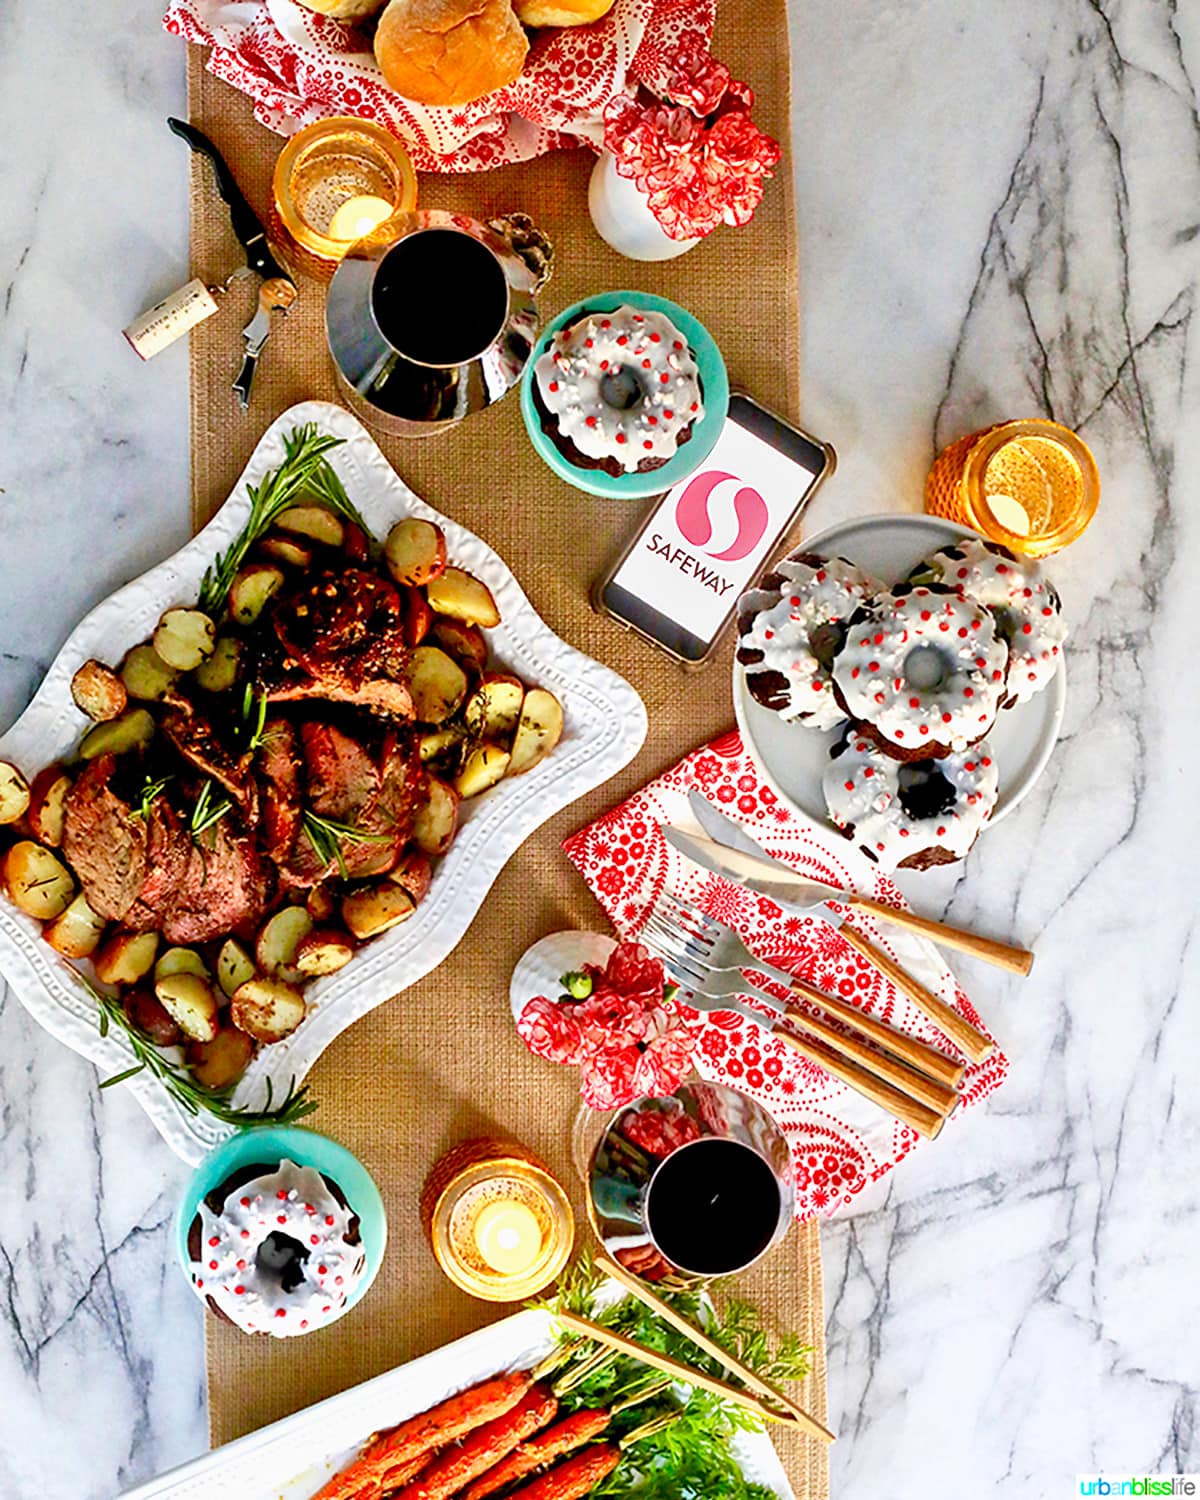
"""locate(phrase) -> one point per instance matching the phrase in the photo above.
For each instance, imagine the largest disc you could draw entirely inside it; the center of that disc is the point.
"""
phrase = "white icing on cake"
(1029, 611)
(579, 368)
(862, 791)
(777, 625)
(926, 669)
(293, 1201)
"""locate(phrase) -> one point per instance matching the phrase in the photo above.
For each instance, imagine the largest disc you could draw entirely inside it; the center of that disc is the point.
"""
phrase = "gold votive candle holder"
(1030, 485)
(338, 180)
(499, 1224)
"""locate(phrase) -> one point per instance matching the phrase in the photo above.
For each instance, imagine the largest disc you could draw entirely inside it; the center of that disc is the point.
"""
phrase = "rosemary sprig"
(149, 795)
(210, 808)
(254, 716)
(327, 837)
(305, 469)
(190, 1095)
(671, 1449)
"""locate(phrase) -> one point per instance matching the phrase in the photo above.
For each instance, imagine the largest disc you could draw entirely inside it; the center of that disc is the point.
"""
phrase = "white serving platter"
(293, 1458)
(605, 726)
(793, 756)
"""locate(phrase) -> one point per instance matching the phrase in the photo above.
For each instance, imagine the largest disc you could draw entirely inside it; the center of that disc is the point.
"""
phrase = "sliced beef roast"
(103, 841)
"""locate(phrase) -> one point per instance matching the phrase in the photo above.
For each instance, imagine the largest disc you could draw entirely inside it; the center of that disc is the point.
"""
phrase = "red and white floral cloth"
(840, 1141)
(298, 67)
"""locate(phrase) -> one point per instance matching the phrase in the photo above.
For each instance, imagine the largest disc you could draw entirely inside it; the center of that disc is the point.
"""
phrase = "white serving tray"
(605, 726)
(293, 1458)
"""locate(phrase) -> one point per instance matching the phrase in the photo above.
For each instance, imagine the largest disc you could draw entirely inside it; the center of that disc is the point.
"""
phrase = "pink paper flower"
(698, 158)
(622, 1031)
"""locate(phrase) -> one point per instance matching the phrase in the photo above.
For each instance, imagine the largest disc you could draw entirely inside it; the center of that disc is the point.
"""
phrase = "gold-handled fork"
(718, 946)
(914, 1098)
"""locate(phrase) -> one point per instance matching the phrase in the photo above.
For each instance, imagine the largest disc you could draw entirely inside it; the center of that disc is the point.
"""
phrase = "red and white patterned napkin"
(298, 67)
(840, 1141)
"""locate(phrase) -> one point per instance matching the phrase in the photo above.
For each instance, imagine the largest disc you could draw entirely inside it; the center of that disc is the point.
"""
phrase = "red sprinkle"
(239, 1291)
(553, 387)
(245, 1202)
(281, 1195)
(281, 1312)
(849, 786)
(282, 1219)
(216, 1240)
(647, 444)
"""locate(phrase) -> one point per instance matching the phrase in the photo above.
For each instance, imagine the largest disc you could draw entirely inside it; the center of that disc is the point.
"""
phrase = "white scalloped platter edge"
(605, 726)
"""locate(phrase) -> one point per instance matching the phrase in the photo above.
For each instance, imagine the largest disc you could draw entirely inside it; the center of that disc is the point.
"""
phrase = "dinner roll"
(561, 12)
(449, 51)
(344, 10)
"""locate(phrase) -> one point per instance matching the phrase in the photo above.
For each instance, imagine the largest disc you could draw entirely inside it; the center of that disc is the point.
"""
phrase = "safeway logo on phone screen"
(709, 535)
(748, 512)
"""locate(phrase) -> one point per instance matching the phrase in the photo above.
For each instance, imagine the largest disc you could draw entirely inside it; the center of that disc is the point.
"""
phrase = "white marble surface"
(1000, 215)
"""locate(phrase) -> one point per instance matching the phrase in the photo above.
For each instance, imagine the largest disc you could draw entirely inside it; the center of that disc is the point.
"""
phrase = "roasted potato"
(132, 731)
(149, 1015)
(275, 950)
(483, 768)
(14, 793)
(219, 672)
(126, 957)
(314, 522)
(47, 804)
(184, 638)
(323, 951)
(437, 819)
(98, 691)
(538, 732)
(39, 883)
(436, 743)
(375, 908)
(458, 593)
(414, 873)
(418, 617)
(251, 589)
(415, 551)
(493, 710)
(218, 1064)
(320, 903)
(465, 643)
(190, 1000)
(75, 932)
(283, 549)
(266, 1009)
(179, 961)
(146, 675)
(234, 966)
(437, 684)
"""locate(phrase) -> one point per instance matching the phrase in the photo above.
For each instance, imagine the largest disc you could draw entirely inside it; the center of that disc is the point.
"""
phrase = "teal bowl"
(690, 456)
(270, 1143)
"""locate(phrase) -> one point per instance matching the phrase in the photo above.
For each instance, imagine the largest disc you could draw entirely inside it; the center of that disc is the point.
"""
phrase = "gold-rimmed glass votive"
(500, 1226)
(337, 180)
(1030, 485)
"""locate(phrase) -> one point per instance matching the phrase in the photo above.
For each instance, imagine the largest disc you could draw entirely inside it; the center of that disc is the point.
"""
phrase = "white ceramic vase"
(623, 218)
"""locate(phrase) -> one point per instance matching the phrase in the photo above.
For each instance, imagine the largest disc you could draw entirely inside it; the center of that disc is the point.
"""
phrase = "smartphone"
(704, 542)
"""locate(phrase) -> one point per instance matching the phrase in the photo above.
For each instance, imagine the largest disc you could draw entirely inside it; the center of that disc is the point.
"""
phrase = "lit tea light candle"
(508, 1236)
(498, 1223)
(358, 216)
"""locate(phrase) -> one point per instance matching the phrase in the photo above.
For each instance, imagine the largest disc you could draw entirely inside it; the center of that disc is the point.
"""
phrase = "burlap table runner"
(442, 1061)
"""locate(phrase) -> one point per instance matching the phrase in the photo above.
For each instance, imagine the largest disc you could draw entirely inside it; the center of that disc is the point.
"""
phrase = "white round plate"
(541, 966)
(793, 757)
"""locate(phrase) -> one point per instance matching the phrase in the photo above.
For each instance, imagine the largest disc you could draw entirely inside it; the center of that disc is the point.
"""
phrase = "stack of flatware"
(916, 1083)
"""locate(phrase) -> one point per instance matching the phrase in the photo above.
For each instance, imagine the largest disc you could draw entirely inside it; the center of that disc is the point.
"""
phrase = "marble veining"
(999, 210)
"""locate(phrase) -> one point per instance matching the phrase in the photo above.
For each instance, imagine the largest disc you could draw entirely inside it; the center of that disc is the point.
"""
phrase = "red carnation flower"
(549, 1030)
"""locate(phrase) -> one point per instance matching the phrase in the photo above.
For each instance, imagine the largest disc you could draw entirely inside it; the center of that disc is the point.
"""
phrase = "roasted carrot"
(483, 1448)
(391, 1454)
(574, 1478)
(564, 1437)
